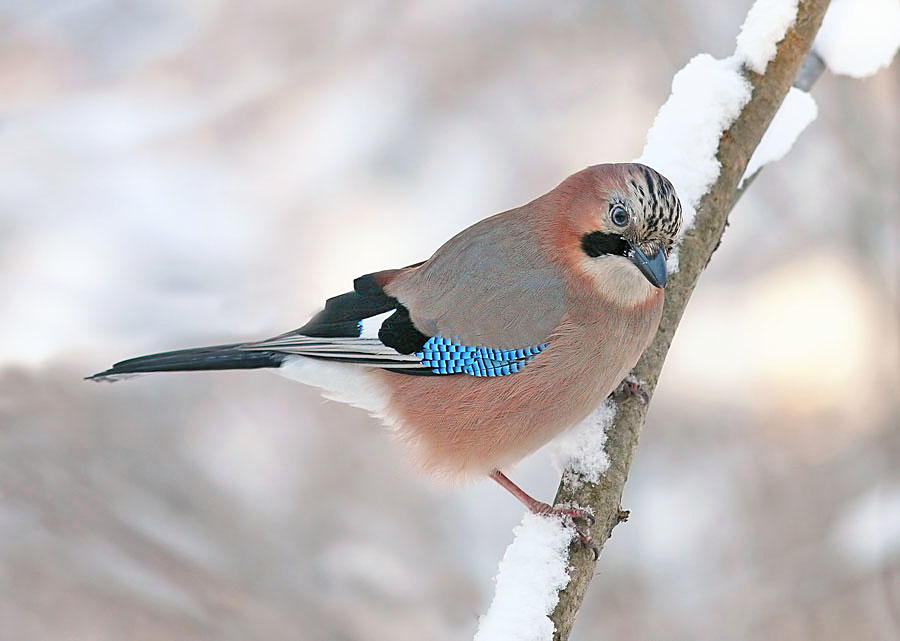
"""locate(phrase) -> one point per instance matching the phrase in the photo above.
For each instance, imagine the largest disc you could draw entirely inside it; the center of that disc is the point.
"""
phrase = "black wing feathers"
(398, 331)
(342, 315)
(338, 325)
(198, 358)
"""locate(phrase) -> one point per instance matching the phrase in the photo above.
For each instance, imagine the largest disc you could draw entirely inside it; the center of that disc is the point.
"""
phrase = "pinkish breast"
(461, 426)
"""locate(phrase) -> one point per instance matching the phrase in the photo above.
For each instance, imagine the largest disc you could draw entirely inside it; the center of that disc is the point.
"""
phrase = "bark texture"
(735, 148)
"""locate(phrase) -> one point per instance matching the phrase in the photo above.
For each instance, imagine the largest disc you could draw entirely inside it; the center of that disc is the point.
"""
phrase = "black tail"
(191, 360)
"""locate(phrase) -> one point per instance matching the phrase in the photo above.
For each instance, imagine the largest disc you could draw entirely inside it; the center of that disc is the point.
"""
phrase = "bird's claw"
(576, 513)
(587, 542)
(573, 514)
(631, 388)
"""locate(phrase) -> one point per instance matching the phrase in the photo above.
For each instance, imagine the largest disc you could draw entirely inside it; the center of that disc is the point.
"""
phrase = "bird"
(511, 333)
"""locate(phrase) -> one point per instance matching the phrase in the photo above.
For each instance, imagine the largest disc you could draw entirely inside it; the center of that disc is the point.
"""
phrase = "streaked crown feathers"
(648, 197)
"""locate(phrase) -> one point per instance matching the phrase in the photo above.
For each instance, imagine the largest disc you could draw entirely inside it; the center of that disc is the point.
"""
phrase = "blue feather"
(445, 356)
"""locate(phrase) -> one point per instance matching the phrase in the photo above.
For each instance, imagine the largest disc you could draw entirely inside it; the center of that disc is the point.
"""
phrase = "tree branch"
(736, 146)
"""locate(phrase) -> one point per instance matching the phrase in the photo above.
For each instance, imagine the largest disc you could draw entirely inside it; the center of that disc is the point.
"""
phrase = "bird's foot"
(630, 387)
(572, 514)
(540, 508)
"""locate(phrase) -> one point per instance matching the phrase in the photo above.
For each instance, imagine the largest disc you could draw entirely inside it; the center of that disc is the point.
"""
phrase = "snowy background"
(179, 173)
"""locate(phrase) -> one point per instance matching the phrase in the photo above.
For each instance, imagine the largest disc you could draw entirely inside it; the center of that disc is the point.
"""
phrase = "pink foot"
(572, 514)
(543, 509)
(631, 388)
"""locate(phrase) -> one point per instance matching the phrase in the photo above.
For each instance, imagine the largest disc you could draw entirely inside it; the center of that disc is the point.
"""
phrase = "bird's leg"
(543, 509)
(539, 507)
(630, 387)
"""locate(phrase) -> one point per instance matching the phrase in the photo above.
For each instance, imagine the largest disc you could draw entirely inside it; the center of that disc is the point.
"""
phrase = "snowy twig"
(809, 73)
(702, 140)
(769, 86)
(724, 121)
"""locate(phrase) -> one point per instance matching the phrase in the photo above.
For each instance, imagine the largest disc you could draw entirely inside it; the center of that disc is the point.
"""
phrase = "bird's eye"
(619, 216)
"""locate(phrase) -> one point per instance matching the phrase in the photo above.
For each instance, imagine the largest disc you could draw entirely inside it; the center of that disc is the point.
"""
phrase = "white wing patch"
(371, 325)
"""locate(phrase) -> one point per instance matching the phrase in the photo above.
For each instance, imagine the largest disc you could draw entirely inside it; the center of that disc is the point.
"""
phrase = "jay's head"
(626, 219)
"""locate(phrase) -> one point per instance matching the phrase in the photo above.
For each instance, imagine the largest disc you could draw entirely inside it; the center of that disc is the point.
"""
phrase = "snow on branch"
(581, 452)
(532, 572)
(795, 114)
(765, 26)
(859, 37)
(707, 95)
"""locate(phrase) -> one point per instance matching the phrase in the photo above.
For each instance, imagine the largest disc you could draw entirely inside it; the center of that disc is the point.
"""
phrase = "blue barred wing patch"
(445, 356)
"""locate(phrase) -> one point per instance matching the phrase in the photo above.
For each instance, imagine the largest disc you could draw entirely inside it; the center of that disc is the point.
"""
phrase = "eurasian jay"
(511, 333)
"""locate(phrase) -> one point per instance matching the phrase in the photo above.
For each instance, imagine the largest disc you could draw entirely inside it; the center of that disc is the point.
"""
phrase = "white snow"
(859, 37)
(796, 113)
(707, 95)
(672, 261)
(531, 574)
(582, 451)
(764, 27)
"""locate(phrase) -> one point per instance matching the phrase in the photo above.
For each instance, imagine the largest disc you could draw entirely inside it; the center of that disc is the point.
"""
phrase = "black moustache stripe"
(598, 243)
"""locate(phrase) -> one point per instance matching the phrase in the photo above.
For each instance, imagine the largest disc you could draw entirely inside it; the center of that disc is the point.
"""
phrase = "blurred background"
(179, 173)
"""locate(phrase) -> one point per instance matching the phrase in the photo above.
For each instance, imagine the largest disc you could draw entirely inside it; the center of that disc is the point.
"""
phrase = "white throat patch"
(617, 279)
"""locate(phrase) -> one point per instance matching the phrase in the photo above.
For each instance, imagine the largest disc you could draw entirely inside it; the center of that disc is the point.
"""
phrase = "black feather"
(599, 243)
(339, 319)
(343, 313)
(199, 358)
(368, 285)
(399, 332)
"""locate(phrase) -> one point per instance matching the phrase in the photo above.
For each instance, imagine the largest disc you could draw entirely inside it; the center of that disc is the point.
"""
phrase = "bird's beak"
(653, 267)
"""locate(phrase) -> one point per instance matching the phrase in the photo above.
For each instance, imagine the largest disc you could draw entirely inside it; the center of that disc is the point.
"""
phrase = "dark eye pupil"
(620, 216)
